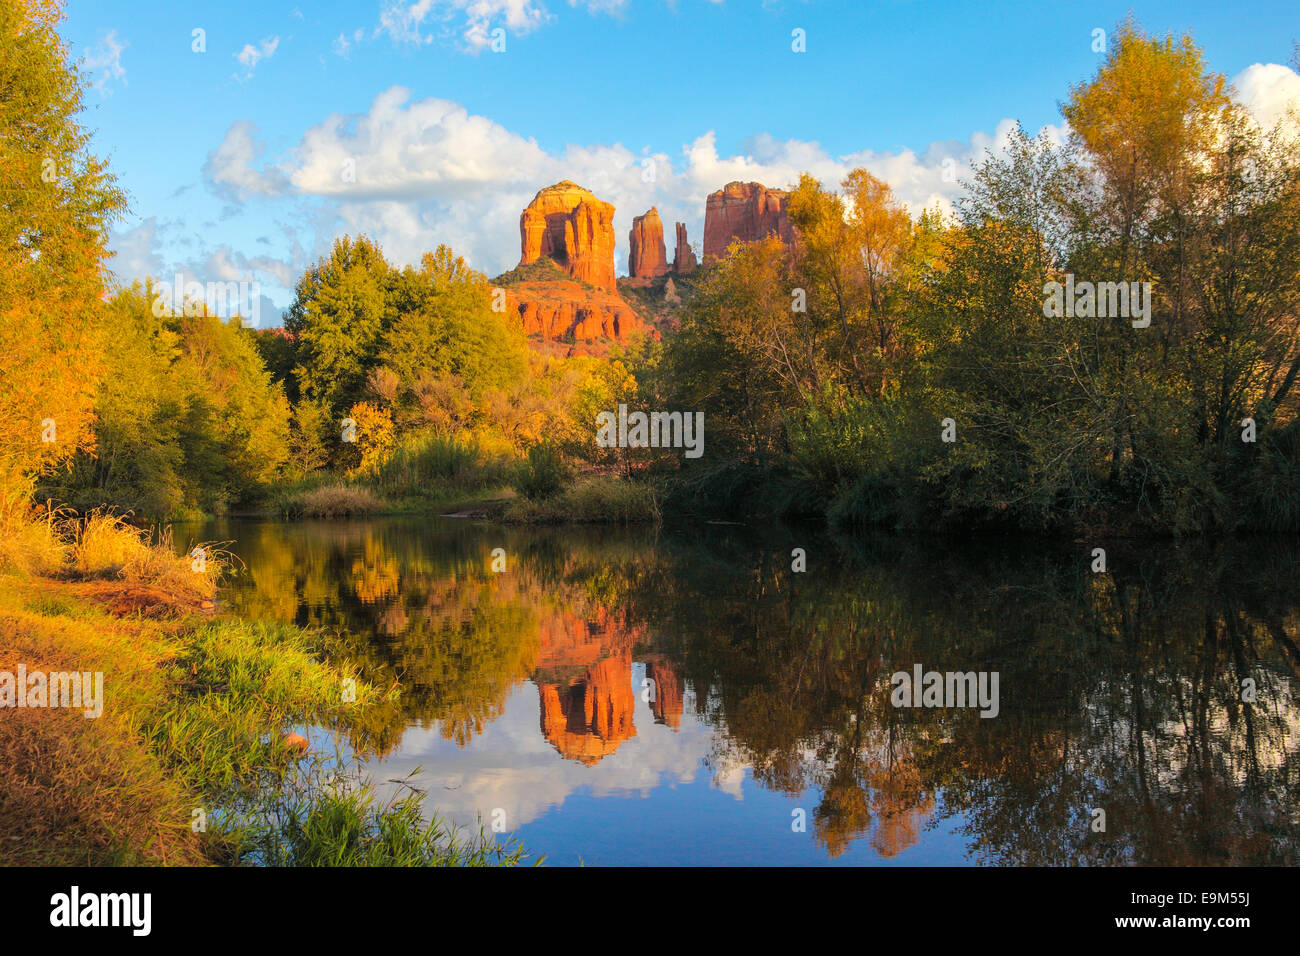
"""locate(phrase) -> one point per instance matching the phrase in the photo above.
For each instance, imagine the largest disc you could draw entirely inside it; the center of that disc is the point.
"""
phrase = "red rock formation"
(555, 310)
(745, 212)
(573, 227)
(683, 258)
(646, 258)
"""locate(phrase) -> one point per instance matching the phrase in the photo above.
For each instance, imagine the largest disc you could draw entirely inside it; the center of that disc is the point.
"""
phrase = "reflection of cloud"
(511, 766)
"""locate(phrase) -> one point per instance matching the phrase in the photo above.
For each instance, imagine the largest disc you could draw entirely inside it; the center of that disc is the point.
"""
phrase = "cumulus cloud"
(414, 173)
(1271, 93)
(104, 62)
(135, 251)
(229, 168)
(251, 55)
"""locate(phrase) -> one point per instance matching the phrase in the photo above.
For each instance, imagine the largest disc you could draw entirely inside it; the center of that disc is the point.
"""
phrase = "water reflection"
(684, 697)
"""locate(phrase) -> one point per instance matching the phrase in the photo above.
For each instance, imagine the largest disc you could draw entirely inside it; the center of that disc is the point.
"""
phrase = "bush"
(332, 501)
(592, 500)
(541, 474)
(426, 461)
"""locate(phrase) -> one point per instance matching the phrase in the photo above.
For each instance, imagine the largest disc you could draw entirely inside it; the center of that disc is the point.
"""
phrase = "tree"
(339, 315)
(57, 202)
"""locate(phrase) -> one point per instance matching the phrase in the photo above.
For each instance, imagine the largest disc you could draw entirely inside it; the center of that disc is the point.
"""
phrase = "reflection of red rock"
(745, 212)
(590, 717)
(667, 705)
(584, 679)
(573, 227)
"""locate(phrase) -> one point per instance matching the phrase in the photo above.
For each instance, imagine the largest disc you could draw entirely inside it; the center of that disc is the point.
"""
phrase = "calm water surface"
(681, 696)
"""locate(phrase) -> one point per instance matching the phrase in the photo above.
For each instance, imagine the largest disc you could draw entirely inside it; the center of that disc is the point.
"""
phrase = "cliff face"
(570, 225)
(560, 309)
(745, 212)
(646, 257)
(684, 261)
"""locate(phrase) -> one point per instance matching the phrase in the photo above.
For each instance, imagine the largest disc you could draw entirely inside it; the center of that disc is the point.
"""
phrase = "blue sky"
(236, 158)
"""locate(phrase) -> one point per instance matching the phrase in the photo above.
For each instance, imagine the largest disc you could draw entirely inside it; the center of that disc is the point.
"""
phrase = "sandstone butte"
(683, 258)
(573, 227)
(745, 212)
(646, 257)
(555, 310)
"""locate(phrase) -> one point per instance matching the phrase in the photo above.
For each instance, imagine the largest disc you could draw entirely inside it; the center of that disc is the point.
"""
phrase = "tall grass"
(429, 464)
(194, 716)
(29, 543)
(593, 500)
(332, 819)
(331, 501)
(104, 545)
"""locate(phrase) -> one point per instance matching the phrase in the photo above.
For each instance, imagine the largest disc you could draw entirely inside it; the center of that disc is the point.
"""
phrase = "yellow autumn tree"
(56, 204)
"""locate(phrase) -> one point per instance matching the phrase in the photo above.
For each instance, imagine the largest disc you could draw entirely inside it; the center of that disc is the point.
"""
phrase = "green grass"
(194, 717)
(596, 500)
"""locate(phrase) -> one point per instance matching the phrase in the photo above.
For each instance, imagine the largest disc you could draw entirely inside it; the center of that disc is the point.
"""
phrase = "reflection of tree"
(1119, 691)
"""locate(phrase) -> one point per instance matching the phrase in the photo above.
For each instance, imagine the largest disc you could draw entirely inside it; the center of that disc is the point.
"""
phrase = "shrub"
(592, 500)
(541, 474)
(333, 501)
(423, 462)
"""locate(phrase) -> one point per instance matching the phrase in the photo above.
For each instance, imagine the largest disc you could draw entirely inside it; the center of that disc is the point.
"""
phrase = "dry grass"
(75, 790)
(103, 545)
(28, 544)
(336, 501)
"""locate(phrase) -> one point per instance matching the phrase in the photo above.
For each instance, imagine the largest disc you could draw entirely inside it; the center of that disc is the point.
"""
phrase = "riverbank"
(590, 499)
(177, 749)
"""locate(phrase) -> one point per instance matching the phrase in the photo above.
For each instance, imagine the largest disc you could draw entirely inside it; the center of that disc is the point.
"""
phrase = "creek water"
(682, 696)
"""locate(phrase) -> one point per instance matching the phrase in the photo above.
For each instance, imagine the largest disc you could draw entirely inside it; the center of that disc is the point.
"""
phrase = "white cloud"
(601, 6)
(251, 55)
(229, 168)
(471, 21)
(414, 173)
(344, 44)
(104, 61)
(1270, 92)
(135, 251)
